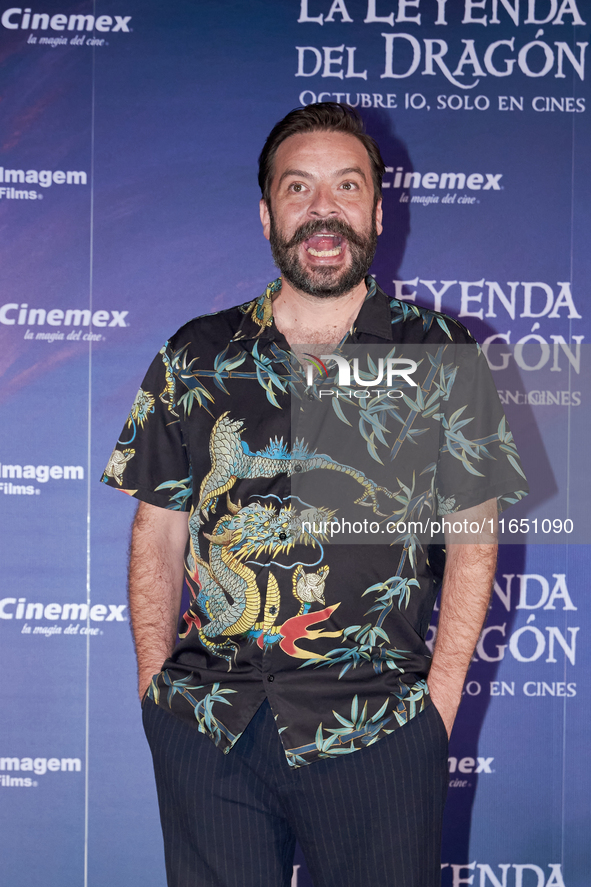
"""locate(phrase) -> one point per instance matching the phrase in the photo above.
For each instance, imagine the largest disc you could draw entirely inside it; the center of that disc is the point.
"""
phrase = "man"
(301, 659)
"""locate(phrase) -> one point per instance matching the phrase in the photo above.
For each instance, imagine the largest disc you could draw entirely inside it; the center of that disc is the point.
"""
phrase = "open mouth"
(324, 245)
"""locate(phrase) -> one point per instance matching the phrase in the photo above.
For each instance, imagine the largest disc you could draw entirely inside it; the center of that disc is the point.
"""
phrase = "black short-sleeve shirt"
(311, 498)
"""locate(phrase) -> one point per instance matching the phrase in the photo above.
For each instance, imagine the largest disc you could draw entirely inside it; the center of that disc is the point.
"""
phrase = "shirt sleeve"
(478, 459)
(150, 459)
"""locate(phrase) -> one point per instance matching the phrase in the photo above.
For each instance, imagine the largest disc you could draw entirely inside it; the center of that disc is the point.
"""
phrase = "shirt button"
(311, 396)
(283, 536)
(297, 469)
(270, 677)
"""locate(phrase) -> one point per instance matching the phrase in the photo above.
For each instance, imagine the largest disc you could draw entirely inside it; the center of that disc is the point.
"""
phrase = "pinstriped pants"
(369, 818)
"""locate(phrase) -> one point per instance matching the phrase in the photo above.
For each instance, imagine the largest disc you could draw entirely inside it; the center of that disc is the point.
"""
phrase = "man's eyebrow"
(301, 174)
(295, 172)
(350, 169)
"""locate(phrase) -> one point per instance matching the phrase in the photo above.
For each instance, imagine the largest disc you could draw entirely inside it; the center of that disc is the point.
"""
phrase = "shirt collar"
(374, 317)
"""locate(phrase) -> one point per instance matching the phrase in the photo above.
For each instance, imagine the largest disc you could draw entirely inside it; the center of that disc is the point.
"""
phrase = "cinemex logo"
(445, 181)
(57, 317)
(11, 314)
(467, 765)
(35, 766)
(399, 367)
(452, 181)
(17, 18)
(40, 473)
(43, 177)
(20, 609)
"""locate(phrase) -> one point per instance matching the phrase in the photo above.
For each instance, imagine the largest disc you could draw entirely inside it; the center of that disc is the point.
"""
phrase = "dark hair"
(321, 117)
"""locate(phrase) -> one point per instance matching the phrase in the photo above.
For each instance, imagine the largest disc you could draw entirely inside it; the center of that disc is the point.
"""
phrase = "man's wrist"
(446, 702)
(144, 681)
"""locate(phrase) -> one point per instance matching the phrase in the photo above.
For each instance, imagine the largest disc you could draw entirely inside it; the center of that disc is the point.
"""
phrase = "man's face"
(322, 219)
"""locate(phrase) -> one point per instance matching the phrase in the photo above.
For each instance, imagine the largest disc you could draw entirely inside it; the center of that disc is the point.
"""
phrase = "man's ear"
(379, 226)
(265, 218)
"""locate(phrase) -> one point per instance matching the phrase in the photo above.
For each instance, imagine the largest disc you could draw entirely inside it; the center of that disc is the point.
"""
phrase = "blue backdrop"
(128, 203)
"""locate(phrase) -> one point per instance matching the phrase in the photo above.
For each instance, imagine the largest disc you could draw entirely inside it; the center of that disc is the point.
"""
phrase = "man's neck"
(308, 320)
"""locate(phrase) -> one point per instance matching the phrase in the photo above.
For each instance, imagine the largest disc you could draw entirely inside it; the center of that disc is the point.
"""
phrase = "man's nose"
(323, 204)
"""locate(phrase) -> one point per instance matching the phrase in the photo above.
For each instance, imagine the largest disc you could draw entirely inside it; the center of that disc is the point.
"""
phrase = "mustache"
(330, 226)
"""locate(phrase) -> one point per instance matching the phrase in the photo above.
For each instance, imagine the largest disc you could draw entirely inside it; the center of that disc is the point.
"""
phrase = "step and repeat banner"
(129, 138)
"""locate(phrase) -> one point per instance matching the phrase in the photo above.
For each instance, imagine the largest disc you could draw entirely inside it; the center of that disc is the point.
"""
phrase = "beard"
(328, 280)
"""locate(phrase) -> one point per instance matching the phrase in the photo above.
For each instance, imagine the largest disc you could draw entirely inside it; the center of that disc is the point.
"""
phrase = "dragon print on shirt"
(224, 588)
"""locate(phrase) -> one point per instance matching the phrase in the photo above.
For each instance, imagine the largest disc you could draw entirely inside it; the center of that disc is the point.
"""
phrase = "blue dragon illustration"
(232, 460)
